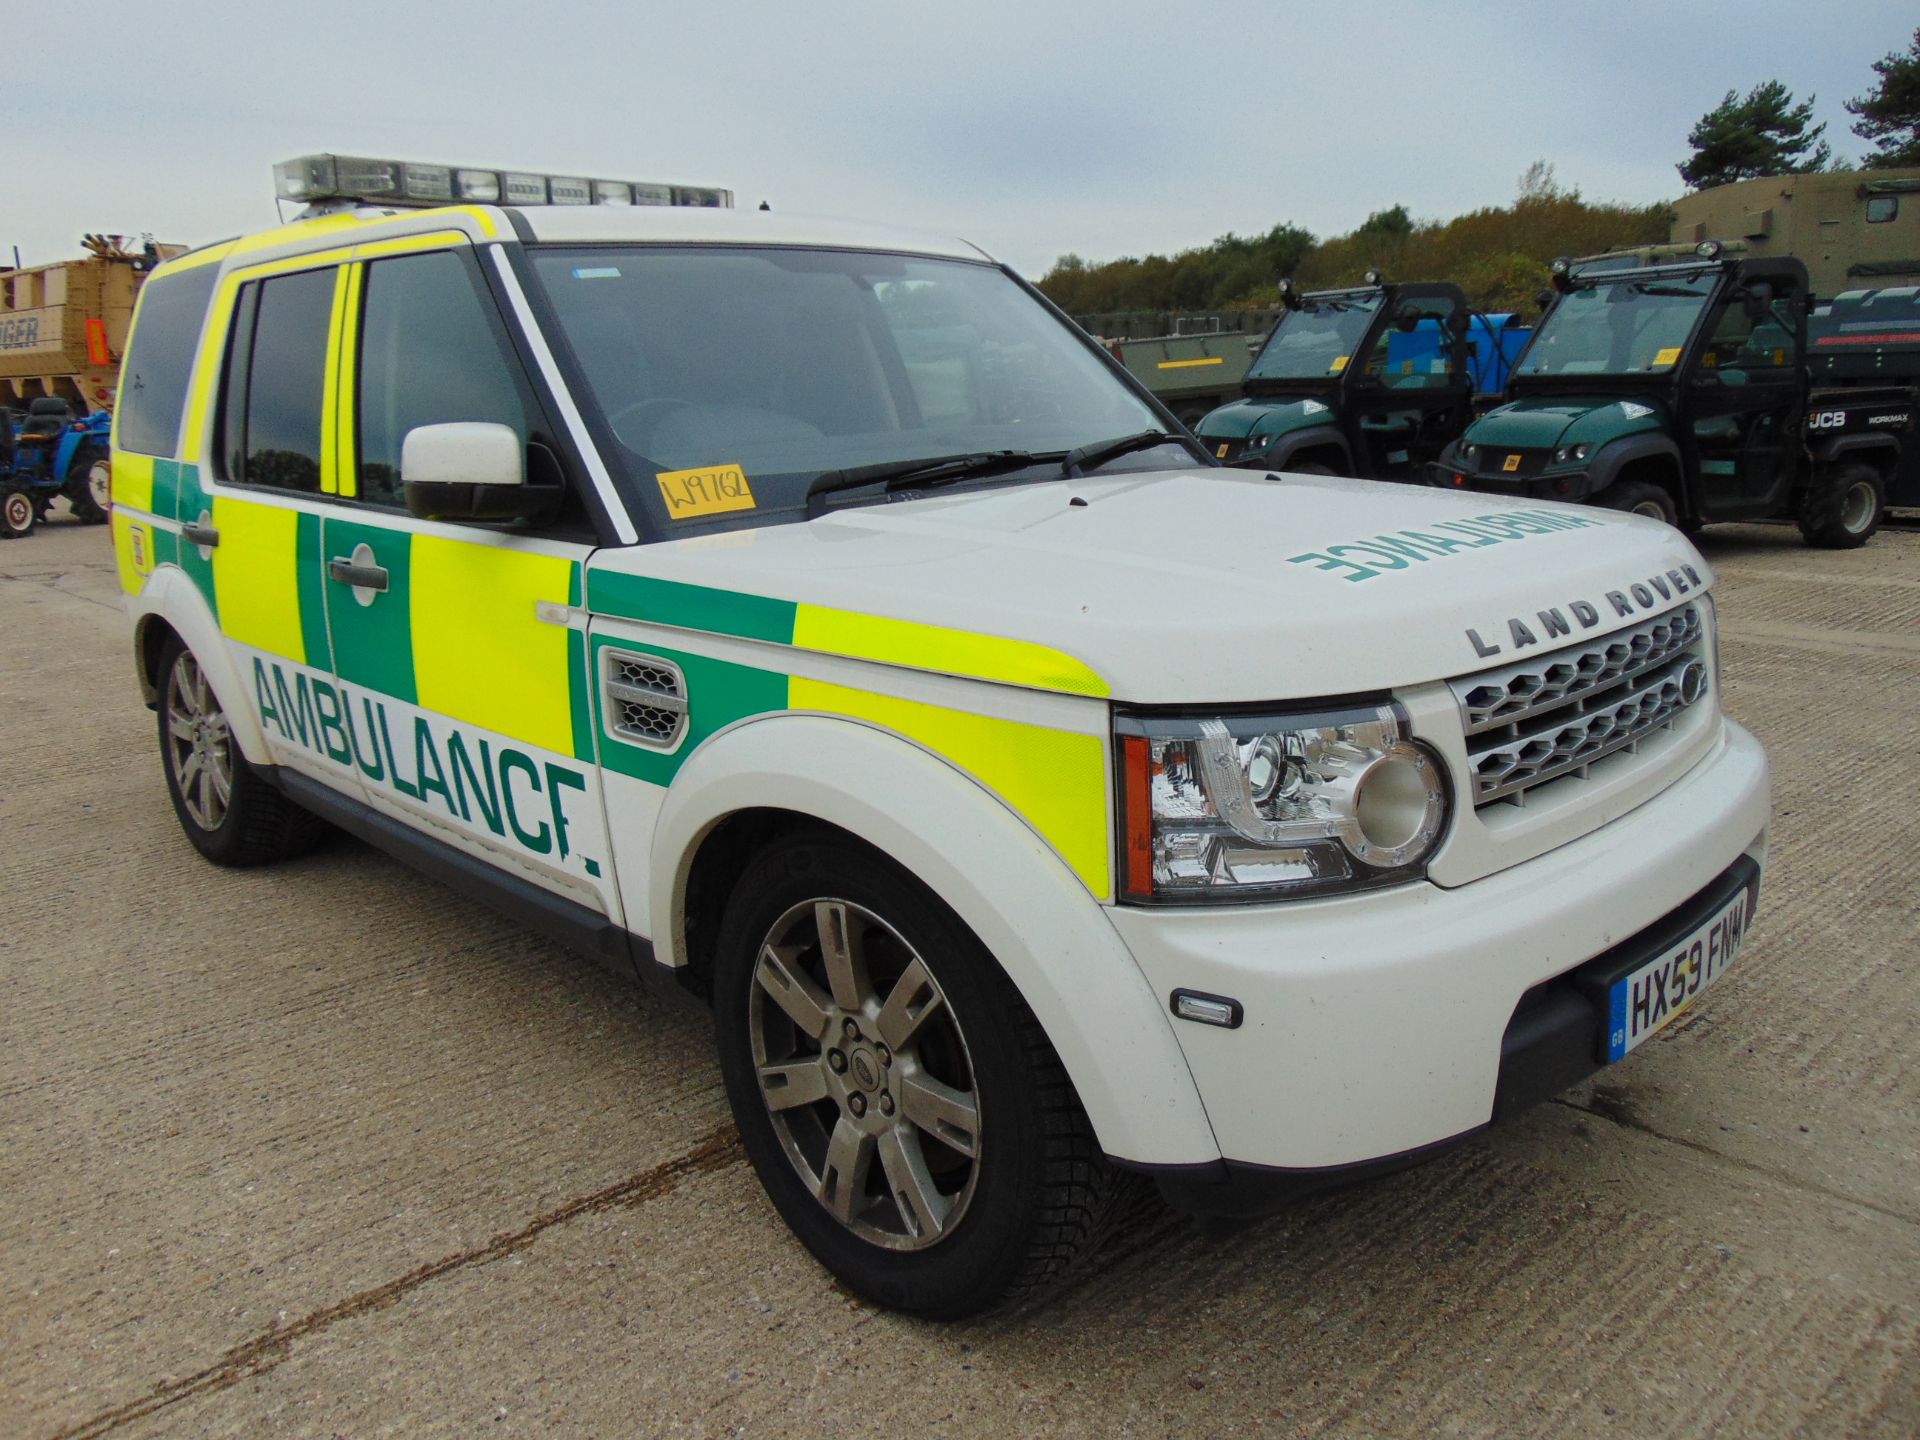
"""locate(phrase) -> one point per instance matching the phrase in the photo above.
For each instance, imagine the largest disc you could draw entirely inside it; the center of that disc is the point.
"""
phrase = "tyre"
(232, 816)
(1641, 497)
(900, 1103)
(1841, 507)
(18, 513)
(89, 487)
(1308, 467)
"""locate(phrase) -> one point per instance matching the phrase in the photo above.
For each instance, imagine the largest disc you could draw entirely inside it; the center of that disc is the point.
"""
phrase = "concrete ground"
(324, 1150)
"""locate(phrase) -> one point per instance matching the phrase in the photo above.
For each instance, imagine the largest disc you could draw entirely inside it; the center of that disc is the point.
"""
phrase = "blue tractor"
(51, 451)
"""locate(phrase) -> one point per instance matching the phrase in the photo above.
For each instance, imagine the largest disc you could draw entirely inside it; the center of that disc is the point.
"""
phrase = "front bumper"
(1378, 1027)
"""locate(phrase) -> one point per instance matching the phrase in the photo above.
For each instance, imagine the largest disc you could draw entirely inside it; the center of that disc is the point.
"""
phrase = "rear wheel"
(900, 1103)
(232, 816)
(1641, 497)
(1841, 506)
(18, 513)
(89, 487)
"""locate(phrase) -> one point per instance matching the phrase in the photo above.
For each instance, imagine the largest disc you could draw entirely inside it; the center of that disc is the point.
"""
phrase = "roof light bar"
(319, 179)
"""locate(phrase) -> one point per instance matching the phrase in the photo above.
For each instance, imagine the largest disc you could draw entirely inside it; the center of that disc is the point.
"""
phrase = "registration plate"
(1645, 1001)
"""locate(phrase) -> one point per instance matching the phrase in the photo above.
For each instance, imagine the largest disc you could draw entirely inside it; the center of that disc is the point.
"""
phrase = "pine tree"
(1764, 133)
(1890, 113)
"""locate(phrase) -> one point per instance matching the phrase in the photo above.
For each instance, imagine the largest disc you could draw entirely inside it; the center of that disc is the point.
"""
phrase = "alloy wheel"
(199, 744)
(865, 1074)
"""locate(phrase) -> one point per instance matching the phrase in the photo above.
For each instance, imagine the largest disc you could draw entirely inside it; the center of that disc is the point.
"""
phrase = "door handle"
(204, 536)
(361, 577)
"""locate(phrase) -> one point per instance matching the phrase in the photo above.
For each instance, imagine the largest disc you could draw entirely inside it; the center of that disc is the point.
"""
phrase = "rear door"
(456, 646)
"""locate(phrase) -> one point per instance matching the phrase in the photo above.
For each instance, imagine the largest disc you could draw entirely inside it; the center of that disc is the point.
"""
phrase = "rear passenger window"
(272, 417)
(432, 350)
(153, 379)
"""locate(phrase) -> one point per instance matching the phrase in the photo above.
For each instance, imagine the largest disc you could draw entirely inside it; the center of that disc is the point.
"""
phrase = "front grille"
(1540, 719)
(646, 698)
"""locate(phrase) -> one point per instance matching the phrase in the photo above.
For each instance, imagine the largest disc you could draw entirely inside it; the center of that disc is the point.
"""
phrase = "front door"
(1742, 398)
(1410, 394)
(454, 645)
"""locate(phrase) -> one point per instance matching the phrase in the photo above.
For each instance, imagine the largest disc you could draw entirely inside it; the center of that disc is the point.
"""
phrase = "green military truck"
(1192, 362)
(1674, 382)
(1852, 229)
(1371, 380)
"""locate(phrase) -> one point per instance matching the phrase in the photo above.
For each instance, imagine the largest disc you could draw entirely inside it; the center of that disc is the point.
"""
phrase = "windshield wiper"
(894, 475)
(1092, 457)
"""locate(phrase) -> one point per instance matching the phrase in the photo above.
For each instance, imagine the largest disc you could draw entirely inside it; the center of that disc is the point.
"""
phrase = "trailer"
(63, 326)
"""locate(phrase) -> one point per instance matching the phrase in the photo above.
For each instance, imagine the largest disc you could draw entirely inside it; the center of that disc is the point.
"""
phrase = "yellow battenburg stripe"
(947, 652)
(132, 551)
(132, 481)
(479, 652)
(409, 244)
(1189, 364)
(255, 580)
(346, 460)
(330, 385)
(1055, 780)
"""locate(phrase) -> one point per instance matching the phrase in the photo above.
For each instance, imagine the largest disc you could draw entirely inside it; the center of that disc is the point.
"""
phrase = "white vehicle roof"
(656, 223)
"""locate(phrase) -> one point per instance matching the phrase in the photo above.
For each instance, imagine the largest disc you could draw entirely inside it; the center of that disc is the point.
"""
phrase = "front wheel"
(89, 487)
(899, 1102)
(1841, 507)
(232, 816)
(1639, 497)
(18, 512)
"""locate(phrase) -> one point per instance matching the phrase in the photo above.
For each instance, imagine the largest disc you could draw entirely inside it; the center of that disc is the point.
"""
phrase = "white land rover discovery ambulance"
(811, 613)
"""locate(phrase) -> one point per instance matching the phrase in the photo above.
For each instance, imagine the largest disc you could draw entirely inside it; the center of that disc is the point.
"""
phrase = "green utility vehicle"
(1368, 381)
(1673, 382)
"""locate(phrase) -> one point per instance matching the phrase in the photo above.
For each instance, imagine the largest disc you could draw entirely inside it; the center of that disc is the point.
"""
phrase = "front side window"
(1317, 340)
(159, 363)
(276, 384)
(784, 365)
(1415, 350)
(1740, 346)
(431, 351)
(1618, 327)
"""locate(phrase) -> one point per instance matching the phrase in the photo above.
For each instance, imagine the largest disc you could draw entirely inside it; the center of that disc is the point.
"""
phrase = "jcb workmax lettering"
(809, 614)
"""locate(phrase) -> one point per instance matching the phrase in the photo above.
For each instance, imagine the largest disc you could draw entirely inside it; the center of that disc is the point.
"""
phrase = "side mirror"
(1758, 299)
(1407, 318)
(1544, 298)
(469, 470)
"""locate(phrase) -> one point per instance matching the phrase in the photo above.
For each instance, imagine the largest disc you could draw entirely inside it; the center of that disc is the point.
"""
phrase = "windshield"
(1315, 341)
(1618, 328)
(790, 364)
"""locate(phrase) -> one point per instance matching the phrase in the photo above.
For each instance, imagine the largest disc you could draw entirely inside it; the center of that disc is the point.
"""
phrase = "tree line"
(1499, 255)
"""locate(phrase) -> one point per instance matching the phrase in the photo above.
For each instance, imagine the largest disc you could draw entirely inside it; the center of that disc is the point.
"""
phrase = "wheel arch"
(172, 607)
(1653, 458)
(1880, 451)
(1049, 936)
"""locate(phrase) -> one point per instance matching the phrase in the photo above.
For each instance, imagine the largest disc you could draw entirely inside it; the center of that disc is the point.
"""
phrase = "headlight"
(1570, 454)
(1273, 807)
(1470, 455)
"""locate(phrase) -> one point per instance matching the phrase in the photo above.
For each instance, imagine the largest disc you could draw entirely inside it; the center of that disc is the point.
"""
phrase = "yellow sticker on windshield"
(713, 490)
(1339, 364)
(1668, 356)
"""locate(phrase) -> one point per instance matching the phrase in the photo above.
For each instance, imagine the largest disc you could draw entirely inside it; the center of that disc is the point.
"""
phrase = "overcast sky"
(1032, 128)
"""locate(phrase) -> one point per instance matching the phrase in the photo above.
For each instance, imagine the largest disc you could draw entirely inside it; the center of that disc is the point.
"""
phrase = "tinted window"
(1882, 208)
(153, 379)
(431, 351)
(286, 382)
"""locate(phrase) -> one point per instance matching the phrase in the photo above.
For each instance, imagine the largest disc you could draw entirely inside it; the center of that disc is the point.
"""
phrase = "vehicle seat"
(47, 416)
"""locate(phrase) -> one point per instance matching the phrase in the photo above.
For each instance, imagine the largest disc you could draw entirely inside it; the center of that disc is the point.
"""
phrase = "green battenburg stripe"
(186, 500)
(310, 567)
(166, 547)
(376, 641)
(166, 487)
(580, 679)
(719, 693)
(691, 607)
